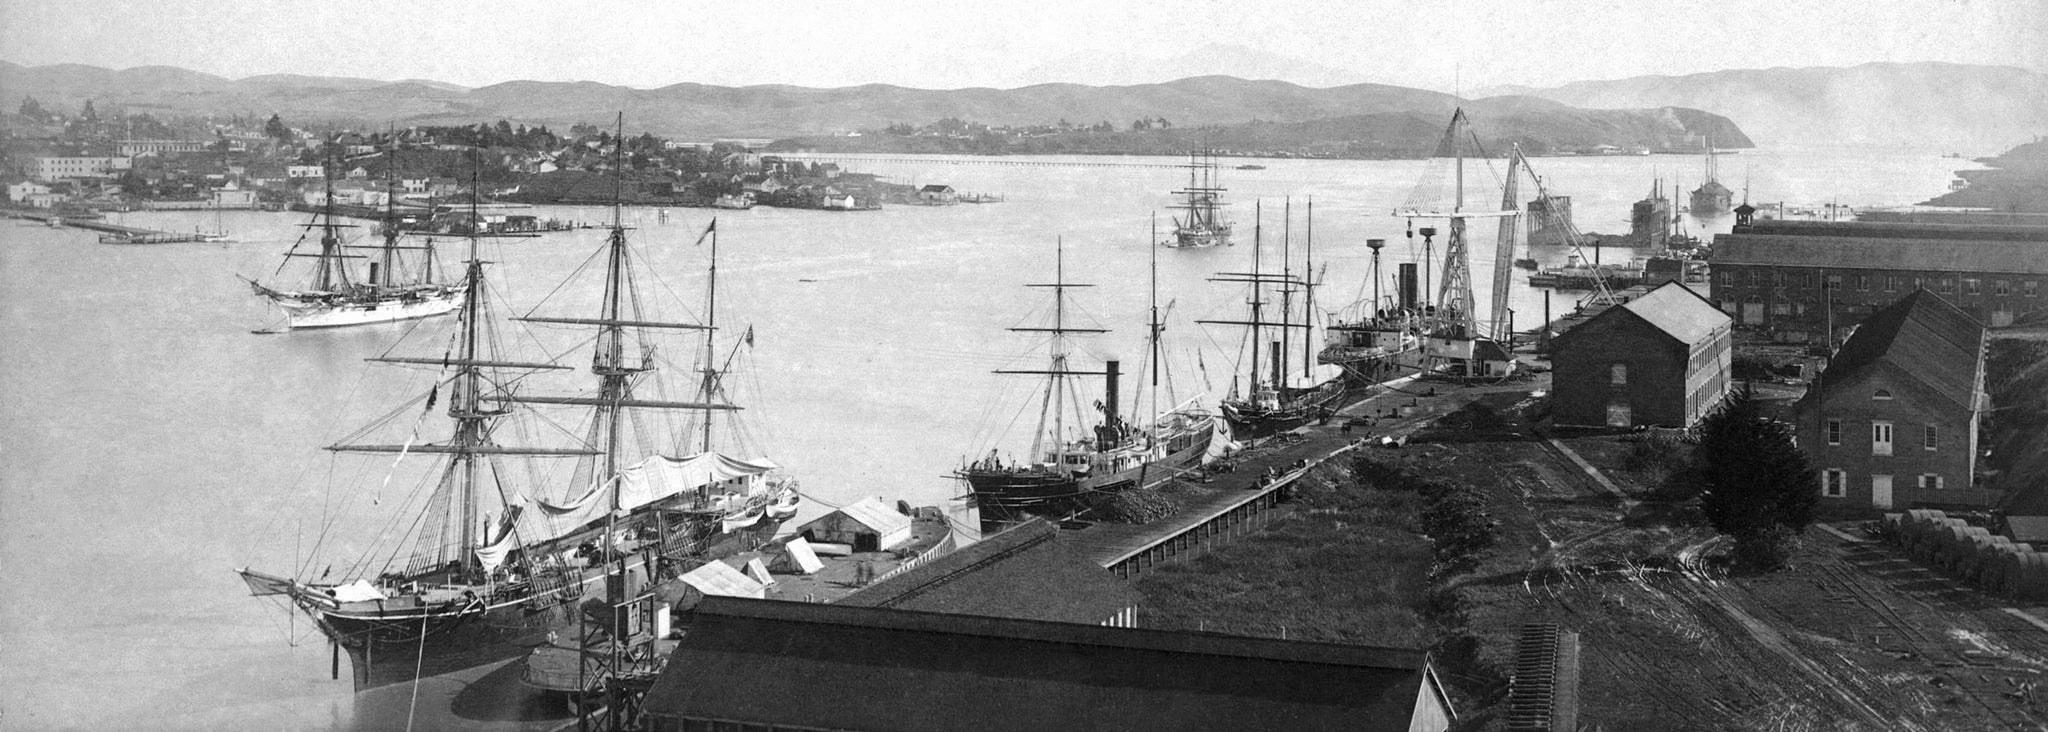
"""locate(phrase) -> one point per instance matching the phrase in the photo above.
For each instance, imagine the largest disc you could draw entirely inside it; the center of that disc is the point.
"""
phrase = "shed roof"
(1924, 338)
(872, 513)
(719, 578)
(1671, 308)
(826, 666)
(2027, 529)
(1023, 572)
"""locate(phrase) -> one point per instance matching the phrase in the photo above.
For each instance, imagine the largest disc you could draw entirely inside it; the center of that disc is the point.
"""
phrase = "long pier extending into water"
(991, 160)
(116, 233)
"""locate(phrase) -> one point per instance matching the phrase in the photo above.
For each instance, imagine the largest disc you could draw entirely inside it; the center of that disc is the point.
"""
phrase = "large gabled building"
(765, 665)
(1661, 358)
(1893, 420)
(1778, 275)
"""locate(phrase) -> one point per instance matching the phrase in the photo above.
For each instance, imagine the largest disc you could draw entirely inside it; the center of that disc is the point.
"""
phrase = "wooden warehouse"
(1662, 358)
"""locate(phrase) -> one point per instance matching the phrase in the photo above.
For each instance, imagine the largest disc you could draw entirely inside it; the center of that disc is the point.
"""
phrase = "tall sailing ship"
(1291, 387)
(502, 541)
(394, 285)
(1068, 472)
(1203, 225)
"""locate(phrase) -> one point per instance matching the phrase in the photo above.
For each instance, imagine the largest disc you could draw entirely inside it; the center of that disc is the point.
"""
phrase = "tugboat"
(1375, 341)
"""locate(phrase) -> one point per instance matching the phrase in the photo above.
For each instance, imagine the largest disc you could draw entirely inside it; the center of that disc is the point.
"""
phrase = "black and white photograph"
(918, 366)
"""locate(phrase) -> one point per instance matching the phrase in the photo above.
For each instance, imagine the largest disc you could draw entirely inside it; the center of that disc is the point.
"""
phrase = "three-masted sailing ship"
(504, 540)
(1068, 472)
(1286, 385)
(390, 288)
(1203, 225)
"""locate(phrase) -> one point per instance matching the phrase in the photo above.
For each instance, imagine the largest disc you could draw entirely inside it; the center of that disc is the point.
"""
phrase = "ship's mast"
(390, 252)
(710, 387)
(1286, 289)
(330, 242)
(1308, 292)
(1055, 393)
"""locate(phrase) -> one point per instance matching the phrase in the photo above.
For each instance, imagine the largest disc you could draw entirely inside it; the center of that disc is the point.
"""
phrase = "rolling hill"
(1240, 113)
(1951, 106)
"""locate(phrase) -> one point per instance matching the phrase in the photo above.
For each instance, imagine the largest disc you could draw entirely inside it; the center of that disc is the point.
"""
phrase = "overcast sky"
(1435, 44)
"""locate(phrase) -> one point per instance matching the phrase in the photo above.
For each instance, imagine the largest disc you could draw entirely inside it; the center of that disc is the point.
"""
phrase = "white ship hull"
(314, 313)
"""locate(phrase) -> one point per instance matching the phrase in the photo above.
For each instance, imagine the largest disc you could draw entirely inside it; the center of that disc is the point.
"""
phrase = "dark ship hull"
(1014, 494)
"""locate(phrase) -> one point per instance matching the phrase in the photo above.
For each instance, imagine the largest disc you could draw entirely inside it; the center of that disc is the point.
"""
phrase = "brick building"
(1661, 358)
(1773, 273)
(1893, 420)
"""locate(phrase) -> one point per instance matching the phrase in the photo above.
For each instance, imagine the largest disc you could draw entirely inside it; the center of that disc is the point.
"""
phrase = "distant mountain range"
(1215, 59)
(1287, 115)
(1966, 108)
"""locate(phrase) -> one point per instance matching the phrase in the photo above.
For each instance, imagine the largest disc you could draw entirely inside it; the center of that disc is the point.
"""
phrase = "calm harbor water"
(152, 443)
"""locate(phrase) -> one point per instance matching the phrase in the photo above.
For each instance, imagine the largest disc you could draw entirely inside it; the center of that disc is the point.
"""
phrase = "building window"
(1930, 481)
(2031, 288)
(2001, 287)
(1880, 438)
(1834, 282)
(1862, 282)
(1834, 432)
(1781, 308)
(1948, 284)
(1929, 439)
(1881, 395)
(1973, 286)
(1617, 374)
(1892, 283)
(1834, 483)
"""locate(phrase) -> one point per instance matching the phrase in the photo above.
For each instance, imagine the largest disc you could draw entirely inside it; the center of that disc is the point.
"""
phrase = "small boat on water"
(1250, 166)
(1576, 274)
(1203, 224)
(737, 202)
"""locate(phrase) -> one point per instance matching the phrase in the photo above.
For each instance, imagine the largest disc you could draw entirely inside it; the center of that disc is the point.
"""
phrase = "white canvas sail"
(650, 480)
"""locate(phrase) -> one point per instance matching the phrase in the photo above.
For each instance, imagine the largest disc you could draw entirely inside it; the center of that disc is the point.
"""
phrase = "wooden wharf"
(996, 161)
(1244, 500)
(125, 234)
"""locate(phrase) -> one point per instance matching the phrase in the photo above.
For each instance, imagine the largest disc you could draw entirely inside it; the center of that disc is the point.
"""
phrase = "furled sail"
(650, 480)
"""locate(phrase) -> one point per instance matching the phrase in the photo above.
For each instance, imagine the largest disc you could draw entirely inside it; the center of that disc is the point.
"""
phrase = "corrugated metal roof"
(1923, 336)
(1857, 252)
(809, 665)
(872, 513)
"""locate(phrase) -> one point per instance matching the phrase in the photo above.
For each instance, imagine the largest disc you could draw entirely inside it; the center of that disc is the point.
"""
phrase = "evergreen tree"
(33, 109)
(276, 130)
(88, 114)
(1759, 486)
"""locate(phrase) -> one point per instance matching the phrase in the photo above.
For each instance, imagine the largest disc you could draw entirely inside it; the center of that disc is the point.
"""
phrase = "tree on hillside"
(1760, 488)
(275, 129)
(33, 109)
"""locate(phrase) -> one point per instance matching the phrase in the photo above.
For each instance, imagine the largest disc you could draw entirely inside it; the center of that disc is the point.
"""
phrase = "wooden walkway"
(130, 234)
(1233, 504)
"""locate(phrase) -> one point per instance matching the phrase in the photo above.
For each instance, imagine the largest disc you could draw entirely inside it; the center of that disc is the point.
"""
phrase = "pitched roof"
(1923, 337)
(871, 513)
(831, 666)
(1860, 245)
(1023, 572)
(1672, 308)
(719, 578)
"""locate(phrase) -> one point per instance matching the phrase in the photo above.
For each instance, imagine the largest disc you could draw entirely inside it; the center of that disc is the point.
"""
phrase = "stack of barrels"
(1970, 553)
